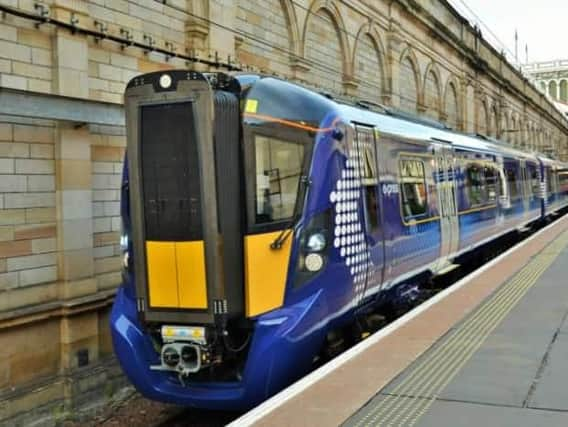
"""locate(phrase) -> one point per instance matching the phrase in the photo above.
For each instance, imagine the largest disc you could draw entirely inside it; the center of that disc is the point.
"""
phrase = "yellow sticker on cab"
(251, 106)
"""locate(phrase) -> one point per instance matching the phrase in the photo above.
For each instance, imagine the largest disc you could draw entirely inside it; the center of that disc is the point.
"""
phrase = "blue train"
(261, 220)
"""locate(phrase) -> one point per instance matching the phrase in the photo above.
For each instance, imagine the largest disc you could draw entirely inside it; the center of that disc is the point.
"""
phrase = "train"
(262, 221)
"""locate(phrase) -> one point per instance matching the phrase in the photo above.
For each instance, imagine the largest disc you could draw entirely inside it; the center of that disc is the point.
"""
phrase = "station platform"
(490, 350)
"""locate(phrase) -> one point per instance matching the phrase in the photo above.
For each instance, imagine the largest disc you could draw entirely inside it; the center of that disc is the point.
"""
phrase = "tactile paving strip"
(413, 394)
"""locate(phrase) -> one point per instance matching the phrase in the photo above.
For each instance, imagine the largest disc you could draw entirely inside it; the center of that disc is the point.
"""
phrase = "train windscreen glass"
(279, 166)
(170, 172)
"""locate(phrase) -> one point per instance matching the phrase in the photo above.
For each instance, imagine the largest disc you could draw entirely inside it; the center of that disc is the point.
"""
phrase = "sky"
(542, 24)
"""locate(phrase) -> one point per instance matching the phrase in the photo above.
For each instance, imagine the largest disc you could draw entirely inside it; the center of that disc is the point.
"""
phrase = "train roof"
(295, 102)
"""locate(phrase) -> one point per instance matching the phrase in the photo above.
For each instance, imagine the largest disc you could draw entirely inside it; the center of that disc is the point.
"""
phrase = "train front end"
(212, 211)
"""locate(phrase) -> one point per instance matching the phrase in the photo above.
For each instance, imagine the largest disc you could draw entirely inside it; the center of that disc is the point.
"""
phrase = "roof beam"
(62, 108)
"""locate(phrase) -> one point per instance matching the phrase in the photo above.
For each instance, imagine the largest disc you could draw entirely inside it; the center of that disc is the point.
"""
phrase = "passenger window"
(535, 181)
(491, 183)
(474, 185)
(279, 166)
(414, 198)
(563, 180)
(512, 181)
(549, 182)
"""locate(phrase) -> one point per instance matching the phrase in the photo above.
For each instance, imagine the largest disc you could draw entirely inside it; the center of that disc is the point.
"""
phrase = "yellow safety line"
(489, 323)
(460, 359)
(433, 373)
(445, 360)
(439, 352)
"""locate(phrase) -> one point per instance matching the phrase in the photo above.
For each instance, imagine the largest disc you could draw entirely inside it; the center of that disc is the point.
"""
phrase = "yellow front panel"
(192, 285)
(162, 277)
(265, 272)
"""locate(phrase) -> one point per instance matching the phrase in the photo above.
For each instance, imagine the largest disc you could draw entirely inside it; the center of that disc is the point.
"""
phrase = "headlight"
(313, 262)
(316, 242)
(124, 242)
(125, 260)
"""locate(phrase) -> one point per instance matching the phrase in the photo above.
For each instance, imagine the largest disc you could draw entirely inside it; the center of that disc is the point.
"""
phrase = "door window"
(491, 182)
(512, 181)
(369, 178)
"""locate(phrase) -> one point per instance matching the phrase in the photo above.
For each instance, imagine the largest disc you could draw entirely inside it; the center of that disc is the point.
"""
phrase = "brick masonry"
(59, 183)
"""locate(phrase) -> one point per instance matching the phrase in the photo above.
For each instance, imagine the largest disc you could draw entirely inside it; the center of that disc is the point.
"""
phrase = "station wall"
(60, 179)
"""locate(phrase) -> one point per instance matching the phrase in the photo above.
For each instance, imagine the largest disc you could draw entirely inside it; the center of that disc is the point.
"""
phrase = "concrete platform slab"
(551, 390)
(499, 356)
(461, 414)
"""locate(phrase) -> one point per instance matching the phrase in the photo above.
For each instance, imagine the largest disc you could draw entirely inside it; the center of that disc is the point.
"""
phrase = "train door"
(446, 178)
(366, 140)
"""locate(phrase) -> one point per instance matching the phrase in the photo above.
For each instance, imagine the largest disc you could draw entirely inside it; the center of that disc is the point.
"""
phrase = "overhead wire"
(101, 35)
(469, 11)
(313, 64)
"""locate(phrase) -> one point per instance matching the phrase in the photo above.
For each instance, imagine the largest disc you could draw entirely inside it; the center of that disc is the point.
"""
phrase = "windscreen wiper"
(283, 236)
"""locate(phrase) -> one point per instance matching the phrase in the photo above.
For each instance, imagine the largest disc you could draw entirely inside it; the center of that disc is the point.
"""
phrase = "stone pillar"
(392, 91)
(350, 86)
(71, 64)
(300, 69)
(468, 106)
(74, 212)
(394, 49)
(222, 41)
(79, 333)
(197, 31)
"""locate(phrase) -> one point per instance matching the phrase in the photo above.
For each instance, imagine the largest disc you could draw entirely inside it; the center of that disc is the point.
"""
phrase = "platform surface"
(490, 351)
(506, 364)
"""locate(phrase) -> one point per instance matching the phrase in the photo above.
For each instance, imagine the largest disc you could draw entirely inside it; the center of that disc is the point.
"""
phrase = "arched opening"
(408, 85)
(564, 91)
(451, 106)
(368, 66)
(280, 30)
(324, 51)
(513, 132)
(503, 129)
(553, 90)
(483, 120)
(494, 125)
(432, 96)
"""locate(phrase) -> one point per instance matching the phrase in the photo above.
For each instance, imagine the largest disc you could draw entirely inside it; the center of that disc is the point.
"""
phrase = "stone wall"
(59, 180)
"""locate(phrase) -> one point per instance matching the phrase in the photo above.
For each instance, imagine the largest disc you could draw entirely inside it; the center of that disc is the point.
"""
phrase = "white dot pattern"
(348, 227)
